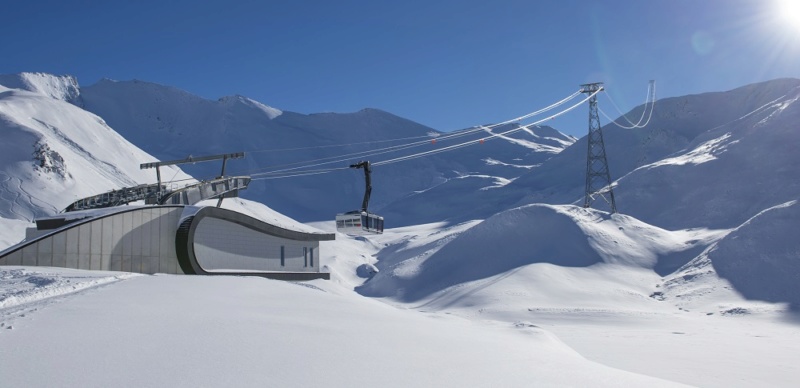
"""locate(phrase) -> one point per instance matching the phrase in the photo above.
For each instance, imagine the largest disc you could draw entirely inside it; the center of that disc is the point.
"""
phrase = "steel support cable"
(540, 111)
(568, 98)
(343, 158)
(650, 116)
(284, 173)
(472, 142)
(316, 170)
(340, 158)
(341, 145)
(291, 175)
(278, 175)
(361, 154)
(644, 111)
(652, 108)
(449, 148)
(612, 121)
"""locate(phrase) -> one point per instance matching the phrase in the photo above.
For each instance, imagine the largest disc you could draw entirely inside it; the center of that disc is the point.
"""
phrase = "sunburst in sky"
(789, 13)
(448, 64)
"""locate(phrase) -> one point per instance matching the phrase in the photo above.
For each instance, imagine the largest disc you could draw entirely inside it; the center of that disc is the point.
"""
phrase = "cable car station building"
(170, 236)
(173, 239)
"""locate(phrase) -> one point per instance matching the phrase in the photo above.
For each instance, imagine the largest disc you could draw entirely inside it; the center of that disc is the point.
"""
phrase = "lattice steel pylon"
(598, 179)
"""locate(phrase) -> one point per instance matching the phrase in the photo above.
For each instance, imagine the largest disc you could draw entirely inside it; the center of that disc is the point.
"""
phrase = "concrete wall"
(138, 240)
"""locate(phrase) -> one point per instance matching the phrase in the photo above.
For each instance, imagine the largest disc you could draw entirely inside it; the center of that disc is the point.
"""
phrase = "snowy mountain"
(63, 88)
(760, 259)
(526, 236)
(172, 124)
(54, 152)
(70, 144)
(710, 160)
(712, 170)
(701, 261)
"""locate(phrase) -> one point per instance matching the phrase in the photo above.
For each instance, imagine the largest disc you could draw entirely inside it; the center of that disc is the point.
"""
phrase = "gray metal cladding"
(150, 240)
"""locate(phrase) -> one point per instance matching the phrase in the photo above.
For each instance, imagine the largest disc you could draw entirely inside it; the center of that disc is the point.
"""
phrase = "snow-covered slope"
(182, 331)
(53, 153)
(63, 88)
(171, 123)
(707, 160)
(759, 260)
(565, 236)
(708, 174)
(728, 173)
(697, 273)
(593, 279)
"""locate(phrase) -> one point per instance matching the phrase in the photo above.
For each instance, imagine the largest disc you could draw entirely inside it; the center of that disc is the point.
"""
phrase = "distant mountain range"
(723, 161)
(172, 124)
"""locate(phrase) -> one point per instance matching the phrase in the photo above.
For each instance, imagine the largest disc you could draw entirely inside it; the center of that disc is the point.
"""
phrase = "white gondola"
(361, 222)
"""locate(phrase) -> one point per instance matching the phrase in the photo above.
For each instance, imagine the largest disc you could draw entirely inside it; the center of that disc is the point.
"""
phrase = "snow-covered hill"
(565, 236)
(604, 285)
(183, 331)
(53, 153)
(705, 165)
(171, 124)
(709, 160)
(714, 179)
(759, 260)
(63, 88)
(698, 271)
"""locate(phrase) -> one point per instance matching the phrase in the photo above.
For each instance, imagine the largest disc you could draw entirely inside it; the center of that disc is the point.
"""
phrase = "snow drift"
(566, 236)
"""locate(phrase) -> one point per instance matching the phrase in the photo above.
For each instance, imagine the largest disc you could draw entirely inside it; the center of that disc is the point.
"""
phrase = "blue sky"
(446, 64)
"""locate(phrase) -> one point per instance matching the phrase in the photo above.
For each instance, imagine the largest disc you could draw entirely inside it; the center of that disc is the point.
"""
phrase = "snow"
(188, 331)
(54, 153)
(21, 287)
(524, 236)
(64, 88)
(695, 330)
(533, 145)
(702, 154)
(759, 259)
(269, 111)
(488, 273)
(13, 231)
(171, 124)
(261, 212)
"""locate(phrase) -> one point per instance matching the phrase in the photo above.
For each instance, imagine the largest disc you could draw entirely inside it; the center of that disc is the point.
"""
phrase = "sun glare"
(789, 11)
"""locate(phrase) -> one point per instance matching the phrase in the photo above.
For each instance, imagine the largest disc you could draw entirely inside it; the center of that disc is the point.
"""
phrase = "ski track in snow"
(31, 198)
(110, 171)
(17, 206)
(14, 203)
(24, 291)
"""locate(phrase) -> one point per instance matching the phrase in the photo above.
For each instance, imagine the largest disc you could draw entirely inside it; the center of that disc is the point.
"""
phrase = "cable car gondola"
(361, 222)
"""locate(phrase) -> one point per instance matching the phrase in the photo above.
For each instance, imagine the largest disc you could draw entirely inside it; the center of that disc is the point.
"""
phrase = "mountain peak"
(230, 101)
(60, 87)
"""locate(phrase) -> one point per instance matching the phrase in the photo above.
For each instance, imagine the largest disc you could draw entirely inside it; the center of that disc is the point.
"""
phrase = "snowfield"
(488, 273)
(539, 324)
(236, 331)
